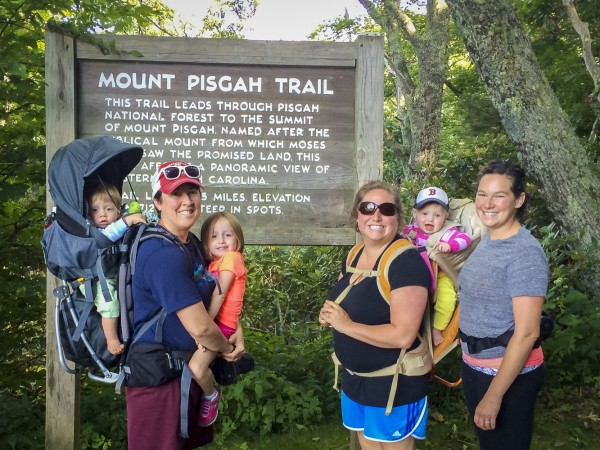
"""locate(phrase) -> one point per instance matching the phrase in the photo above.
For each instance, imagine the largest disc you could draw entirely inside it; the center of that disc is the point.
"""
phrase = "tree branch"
(583, 31)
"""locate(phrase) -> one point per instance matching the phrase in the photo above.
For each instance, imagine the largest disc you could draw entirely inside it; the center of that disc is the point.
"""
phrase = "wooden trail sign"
(284, 133)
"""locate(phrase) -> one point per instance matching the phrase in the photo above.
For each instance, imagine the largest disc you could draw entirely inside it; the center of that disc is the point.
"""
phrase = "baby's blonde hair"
(98, 188)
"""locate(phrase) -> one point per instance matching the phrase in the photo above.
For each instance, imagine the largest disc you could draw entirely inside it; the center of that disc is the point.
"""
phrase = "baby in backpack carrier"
(430, 213)
(223, 241)
(103, 201)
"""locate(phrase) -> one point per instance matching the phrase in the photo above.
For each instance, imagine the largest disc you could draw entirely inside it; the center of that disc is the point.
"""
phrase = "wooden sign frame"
(362, 58)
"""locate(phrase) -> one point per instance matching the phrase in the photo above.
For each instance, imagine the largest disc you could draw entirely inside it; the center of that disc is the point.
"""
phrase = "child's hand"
(443, 247)
(201, 347)
(239, 348)
(132, 219)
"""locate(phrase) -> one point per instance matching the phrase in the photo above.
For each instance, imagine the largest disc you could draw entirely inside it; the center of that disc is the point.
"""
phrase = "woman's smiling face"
(497, 205)
(180, 209)
(378, 228)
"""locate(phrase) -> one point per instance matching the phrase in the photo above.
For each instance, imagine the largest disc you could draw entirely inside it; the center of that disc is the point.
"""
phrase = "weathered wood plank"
(290, 234)
(225, 51)
(369, 122)
(62, 389)
(369, 108)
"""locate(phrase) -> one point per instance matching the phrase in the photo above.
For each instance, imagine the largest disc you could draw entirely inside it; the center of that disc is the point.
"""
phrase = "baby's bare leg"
(200, 368)
(110, 327)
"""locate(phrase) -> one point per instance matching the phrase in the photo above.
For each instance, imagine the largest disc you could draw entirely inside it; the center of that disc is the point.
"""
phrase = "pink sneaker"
(209, 409)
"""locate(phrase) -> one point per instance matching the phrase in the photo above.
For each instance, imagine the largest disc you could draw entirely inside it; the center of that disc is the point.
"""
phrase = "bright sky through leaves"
(290, 20)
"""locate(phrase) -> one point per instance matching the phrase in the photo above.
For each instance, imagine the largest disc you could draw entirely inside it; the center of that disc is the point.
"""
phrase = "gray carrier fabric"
(77, 161)
(72, 246)
(78, 253)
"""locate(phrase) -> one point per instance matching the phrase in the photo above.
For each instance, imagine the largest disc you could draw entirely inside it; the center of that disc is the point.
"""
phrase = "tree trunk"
(419, 101)
(432, 55)
(531, 115)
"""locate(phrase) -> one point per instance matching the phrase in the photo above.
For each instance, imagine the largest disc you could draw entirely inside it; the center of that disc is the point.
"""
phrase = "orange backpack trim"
(418, 361)
(426, 348)
(450, 334)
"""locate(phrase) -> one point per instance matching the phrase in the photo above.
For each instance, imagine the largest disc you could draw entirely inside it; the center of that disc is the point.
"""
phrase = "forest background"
(466, 81)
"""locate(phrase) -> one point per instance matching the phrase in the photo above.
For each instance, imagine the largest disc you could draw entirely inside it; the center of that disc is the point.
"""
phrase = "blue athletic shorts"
(403, 421)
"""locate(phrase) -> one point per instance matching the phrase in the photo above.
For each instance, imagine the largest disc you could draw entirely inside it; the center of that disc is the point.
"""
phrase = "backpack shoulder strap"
(144, 233)
(392, 252)
(426, 349)
(362, 273)
(152, 231)
(200, 248)
(413, 363)
(352, 254)
(395, 249)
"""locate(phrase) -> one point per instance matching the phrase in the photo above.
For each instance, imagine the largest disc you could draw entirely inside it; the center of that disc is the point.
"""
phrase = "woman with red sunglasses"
(169, 280)
(369, 333)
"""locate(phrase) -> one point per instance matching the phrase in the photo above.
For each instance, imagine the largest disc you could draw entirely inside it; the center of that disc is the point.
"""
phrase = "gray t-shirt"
(494, 273)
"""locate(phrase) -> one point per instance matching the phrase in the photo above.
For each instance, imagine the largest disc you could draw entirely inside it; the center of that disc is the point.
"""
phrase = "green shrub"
(290, 387)
(572, 353)
(22, 424)
(288, 285)
(264, 402)
(103, 417)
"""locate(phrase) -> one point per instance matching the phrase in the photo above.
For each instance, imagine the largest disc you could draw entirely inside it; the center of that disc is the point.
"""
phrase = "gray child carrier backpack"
(78, 254)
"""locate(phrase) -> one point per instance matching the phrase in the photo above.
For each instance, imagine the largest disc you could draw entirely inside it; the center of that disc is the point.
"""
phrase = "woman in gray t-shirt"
(502, 287)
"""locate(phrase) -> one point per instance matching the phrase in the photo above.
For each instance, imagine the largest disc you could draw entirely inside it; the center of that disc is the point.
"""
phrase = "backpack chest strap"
(361, 275)
(364, 272)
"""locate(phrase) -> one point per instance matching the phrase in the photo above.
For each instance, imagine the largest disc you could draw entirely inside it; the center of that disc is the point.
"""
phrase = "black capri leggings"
(514, 424)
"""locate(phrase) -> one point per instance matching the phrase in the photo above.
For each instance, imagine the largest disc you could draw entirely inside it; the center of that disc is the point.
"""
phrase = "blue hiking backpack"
(78, 254)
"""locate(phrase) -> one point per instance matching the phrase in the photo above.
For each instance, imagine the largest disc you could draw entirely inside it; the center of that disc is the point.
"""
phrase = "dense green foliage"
(22, 193)
(291, 387)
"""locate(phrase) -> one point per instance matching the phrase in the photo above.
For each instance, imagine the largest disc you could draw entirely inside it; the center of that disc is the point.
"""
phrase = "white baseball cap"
(167, 182)
(431, 194)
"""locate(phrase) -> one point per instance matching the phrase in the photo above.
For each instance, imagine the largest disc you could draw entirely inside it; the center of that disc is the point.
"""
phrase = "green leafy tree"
(566, 56)
(22, 191)
(417, 54)
(532, 116)
(23, 25)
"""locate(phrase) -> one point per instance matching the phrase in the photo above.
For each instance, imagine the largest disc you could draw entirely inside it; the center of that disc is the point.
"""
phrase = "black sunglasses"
(369, 208)
(173, 172)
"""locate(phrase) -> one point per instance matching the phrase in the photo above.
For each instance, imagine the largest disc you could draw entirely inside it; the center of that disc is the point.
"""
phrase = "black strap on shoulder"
(154, 231)
(200, 249)
(159, 232)
(144, 233)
